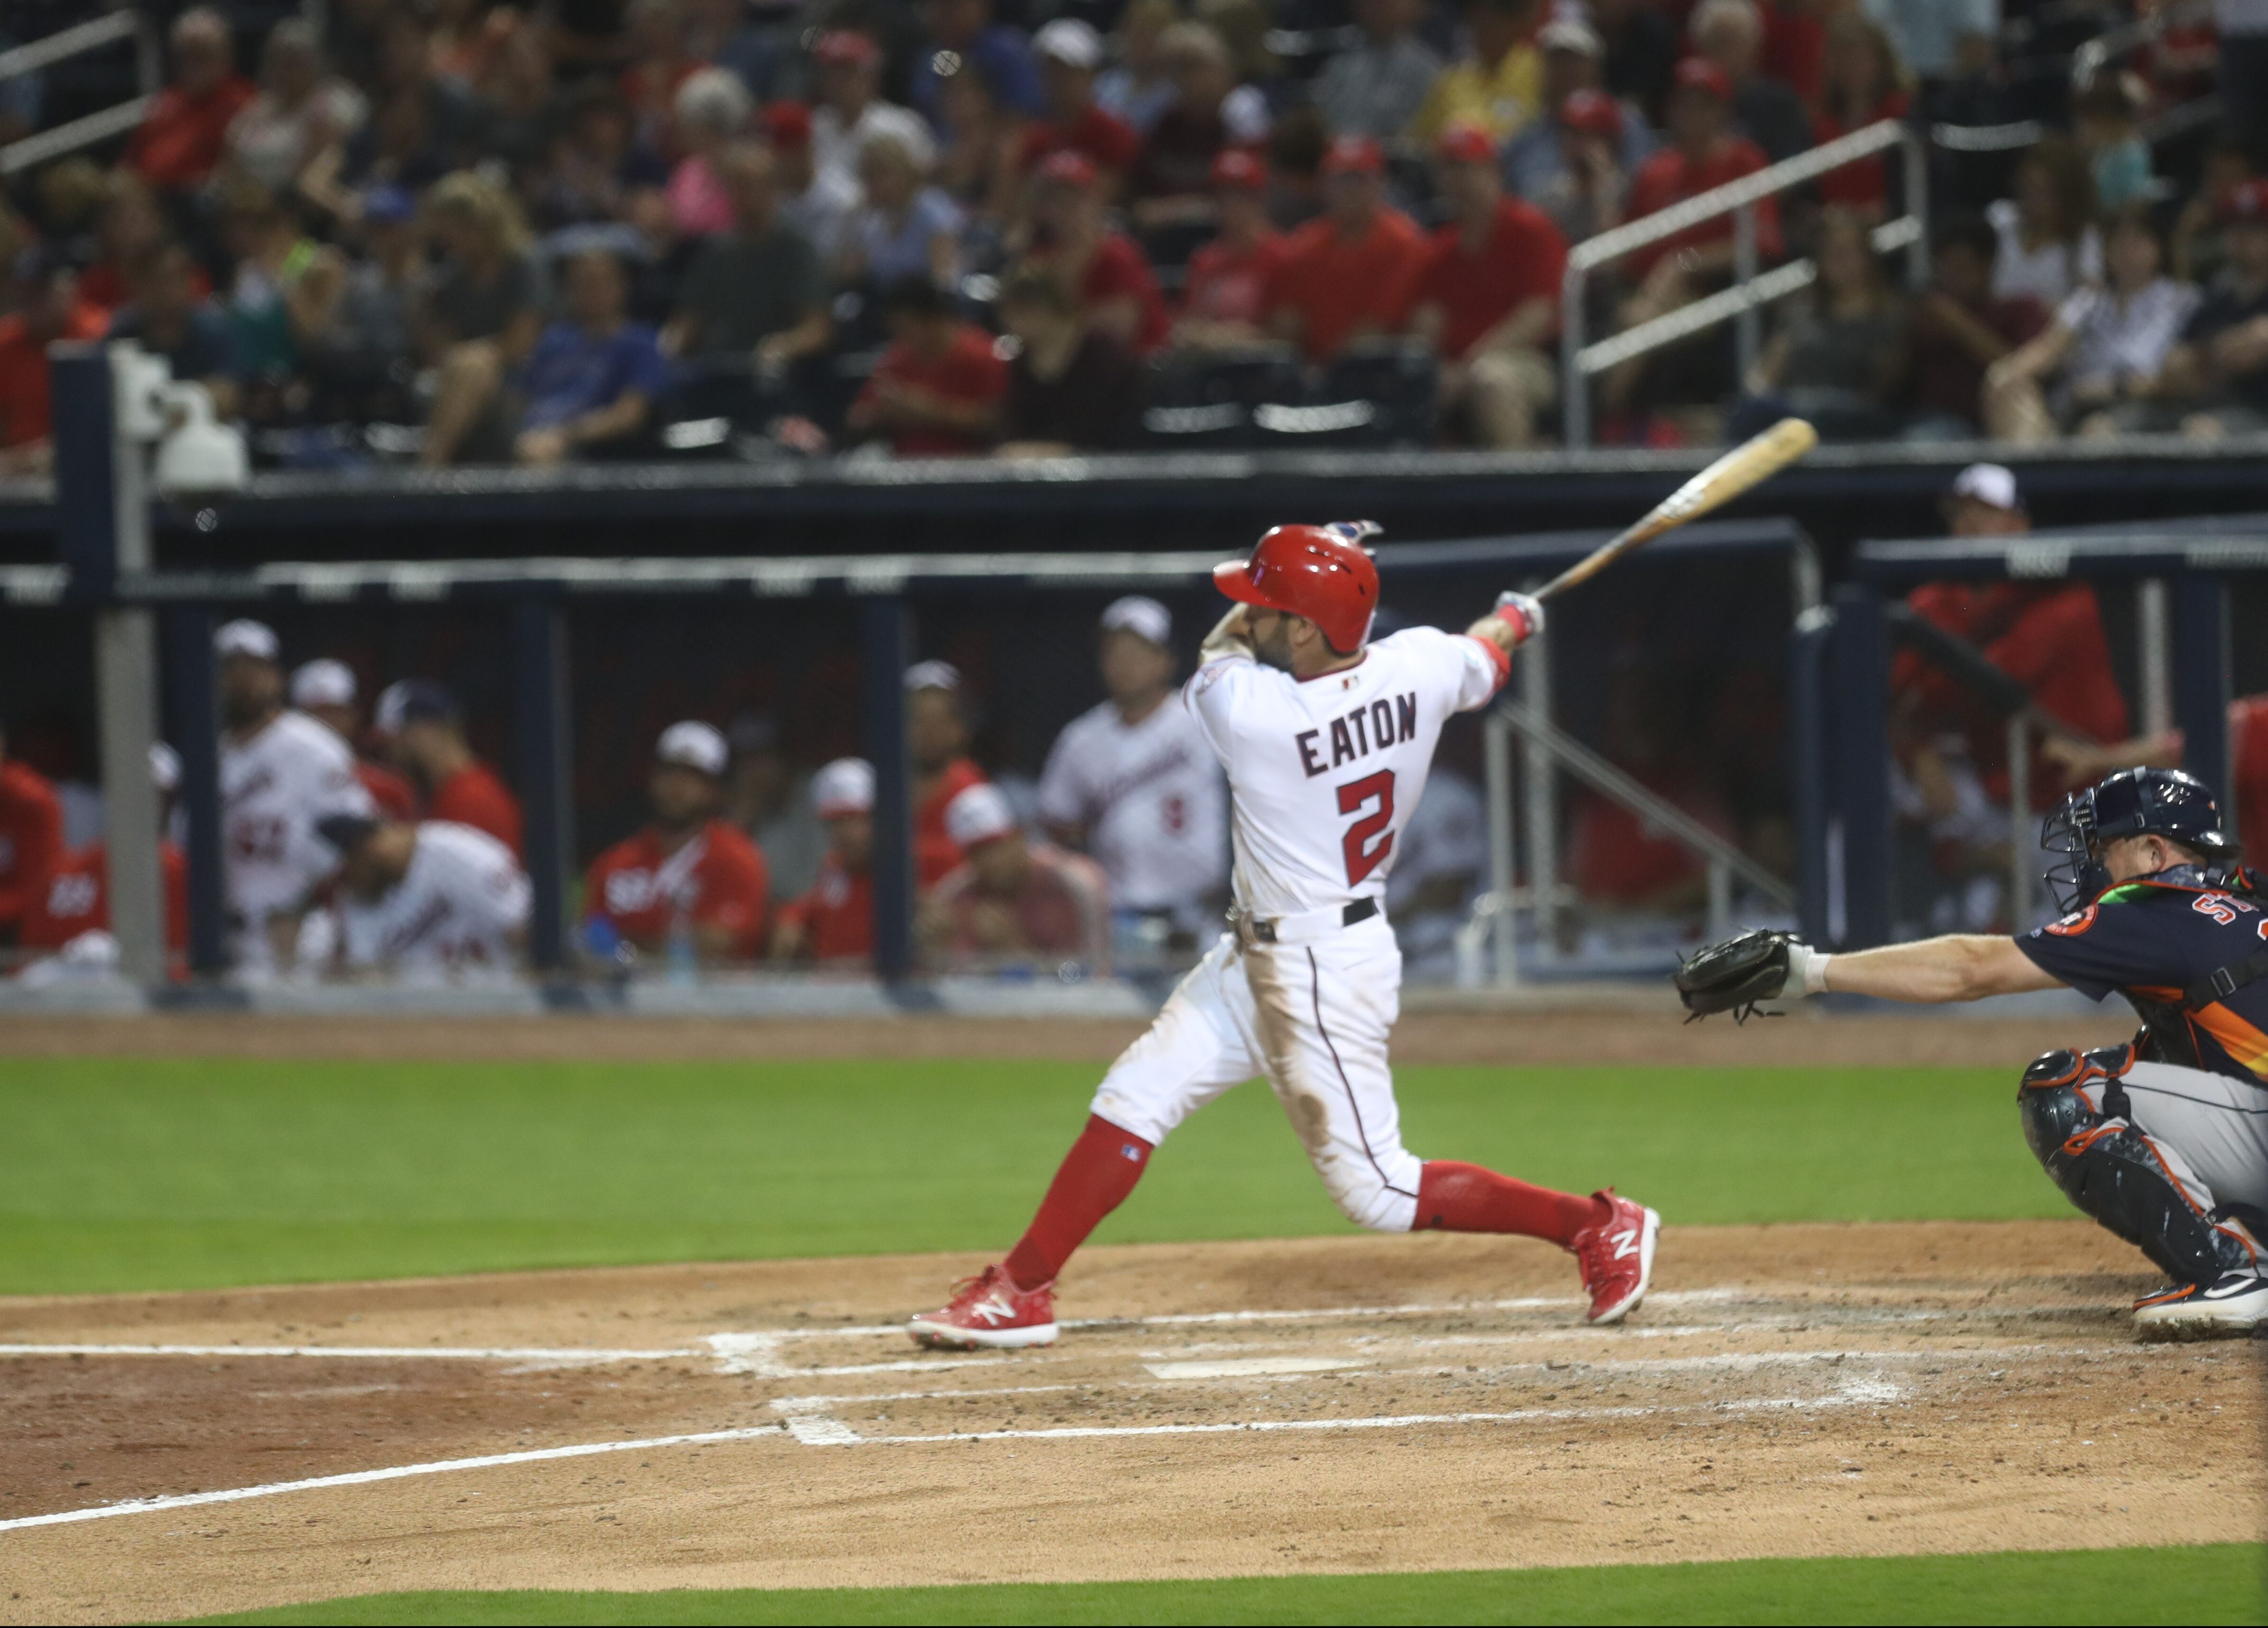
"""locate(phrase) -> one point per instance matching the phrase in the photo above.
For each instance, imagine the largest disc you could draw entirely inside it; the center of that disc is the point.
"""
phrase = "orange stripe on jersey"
(2239, 1038)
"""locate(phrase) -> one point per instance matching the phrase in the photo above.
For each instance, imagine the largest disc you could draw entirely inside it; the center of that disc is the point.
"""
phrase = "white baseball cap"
(933, 676)
(1988, 483)
(246, 637)
(978, 815)
(323, 683)
(694, 745)
(165, 766)
(1570, 33)
(845, 785)
(1069, 41)
(1139, 614)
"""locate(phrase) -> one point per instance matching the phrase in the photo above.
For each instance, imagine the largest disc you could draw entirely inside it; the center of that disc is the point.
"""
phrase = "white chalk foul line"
(456, 1354)
(398, 1473)
(821, 1431)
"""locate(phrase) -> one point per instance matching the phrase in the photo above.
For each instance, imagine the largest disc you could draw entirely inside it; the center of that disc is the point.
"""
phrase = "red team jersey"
(1524, 259)
(838, 912)
(77, 898)
(31, 842)
(474, 796)
(2248, 769)
(395, 797)
(719, 879)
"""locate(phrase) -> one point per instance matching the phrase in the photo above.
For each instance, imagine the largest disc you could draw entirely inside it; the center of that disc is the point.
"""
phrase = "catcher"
(2164, 1139)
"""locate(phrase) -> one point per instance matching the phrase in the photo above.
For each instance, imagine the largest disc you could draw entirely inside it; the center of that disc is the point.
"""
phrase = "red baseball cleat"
(1616, 1257)
(989, 1312)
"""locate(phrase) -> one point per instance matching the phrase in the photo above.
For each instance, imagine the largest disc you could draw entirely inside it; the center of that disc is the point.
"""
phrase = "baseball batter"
(2163, 1140)
(1326, 739)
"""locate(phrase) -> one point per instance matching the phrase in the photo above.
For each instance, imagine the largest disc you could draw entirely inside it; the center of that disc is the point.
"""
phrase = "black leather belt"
(1360, 910)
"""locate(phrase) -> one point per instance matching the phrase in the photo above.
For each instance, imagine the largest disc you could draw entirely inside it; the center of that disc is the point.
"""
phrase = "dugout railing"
(2182, 575)
(883, 593)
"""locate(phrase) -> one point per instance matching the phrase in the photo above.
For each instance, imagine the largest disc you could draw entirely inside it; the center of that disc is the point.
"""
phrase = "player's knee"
(1366, 1199)
(2049, 1101)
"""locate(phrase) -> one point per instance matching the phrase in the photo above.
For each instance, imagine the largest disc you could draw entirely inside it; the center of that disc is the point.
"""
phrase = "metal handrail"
(95, 126)
(66, 42)
(1751, 291)
(127, 22)
(2097, 53)
(1611, 781)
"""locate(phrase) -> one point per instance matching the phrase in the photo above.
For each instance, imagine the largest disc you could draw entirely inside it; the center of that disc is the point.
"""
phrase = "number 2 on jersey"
(1361, 858)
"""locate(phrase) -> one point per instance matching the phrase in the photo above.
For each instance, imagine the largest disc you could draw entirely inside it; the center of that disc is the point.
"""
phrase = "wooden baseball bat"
(1750, 463)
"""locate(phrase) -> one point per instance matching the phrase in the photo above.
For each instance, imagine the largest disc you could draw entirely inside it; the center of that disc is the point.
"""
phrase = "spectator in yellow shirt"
(1498, 83)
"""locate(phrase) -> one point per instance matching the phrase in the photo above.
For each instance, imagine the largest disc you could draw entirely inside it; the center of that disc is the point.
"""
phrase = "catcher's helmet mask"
(2132, 803)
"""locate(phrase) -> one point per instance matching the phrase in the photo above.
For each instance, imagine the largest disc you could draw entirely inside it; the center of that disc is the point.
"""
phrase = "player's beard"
(1275, 648)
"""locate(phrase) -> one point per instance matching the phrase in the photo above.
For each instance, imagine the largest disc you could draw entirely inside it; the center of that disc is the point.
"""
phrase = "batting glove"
(1524, 612)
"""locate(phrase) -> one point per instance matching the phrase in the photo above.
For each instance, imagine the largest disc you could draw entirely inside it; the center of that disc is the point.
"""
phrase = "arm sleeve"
(2098, 950)
(1209, 695)
(1063, 799)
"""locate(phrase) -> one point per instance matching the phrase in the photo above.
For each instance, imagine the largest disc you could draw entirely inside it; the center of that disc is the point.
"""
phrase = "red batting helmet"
(1310, 571)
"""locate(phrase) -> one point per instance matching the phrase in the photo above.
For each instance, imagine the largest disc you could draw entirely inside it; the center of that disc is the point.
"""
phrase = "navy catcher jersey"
(2151, 939)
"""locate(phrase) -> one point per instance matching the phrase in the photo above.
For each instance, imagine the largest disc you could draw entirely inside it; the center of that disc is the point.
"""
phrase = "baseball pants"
(2211, 1130)
(1313, 1019)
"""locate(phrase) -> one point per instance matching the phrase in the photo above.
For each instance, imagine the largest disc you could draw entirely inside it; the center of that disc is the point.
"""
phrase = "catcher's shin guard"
(2133, 1185)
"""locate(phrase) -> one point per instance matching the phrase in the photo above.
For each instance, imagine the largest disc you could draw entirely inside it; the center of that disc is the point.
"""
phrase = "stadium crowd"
(459, 231)
(361, 842)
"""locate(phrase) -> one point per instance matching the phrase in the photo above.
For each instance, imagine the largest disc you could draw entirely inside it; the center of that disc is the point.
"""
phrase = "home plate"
(1242, 1367)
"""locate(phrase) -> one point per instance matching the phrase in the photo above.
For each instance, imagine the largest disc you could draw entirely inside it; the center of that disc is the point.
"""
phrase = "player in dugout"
(426, 731)
(1013, 902)
(691, 884)
(426, 902)
(326, 691)
(833, 924)
(71, 919)
(2164, 1139)
(31, 840)
(1133, 782)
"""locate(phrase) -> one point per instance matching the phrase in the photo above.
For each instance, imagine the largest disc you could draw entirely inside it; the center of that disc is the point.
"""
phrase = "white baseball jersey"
(1324, 773)
(273, 789)
(1152, 799)
(453, 914)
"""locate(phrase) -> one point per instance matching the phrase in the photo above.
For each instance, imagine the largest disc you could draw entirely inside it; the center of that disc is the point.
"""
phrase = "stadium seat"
(1208, 399)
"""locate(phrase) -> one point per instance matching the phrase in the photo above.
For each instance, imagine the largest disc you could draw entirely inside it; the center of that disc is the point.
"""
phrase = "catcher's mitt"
(1734, 975)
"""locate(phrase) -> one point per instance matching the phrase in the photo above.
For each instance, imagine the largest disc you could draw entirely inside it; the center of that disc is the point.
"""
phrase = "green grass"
(2217, 1583)
(127, 1174)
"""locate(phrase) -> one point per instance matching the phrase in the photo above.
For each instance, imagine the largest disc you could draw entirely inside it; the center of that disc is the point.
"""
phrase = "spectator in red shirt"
(1103, 270)
(937, 744)
(937, 391)
(1346, 277)
(1013, 902)
(1864, 83)
(77, 899)
(1487, 295)
(1226, 286)
(427, 737)
(325, 690)
(1703, 153)
(182, 137)
(2046, 637)
(30, 841)
(50, 310)
(1070, 52)
(689, 872)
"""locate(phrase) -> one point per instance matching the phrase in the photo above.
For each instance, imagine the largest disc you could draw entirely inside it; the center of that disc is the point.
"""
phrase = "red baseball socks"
(1094, 1179)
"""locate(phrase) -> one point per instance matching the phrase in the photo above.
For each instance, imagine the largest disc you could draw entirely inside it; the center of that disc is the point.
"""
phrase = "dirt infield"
(1315, 1406)
(1806, 1037)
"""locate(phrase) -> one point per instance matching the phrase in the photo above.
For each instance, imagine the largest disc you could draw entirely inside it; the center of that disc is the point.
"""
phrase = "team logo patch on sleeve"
(2072, 926)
